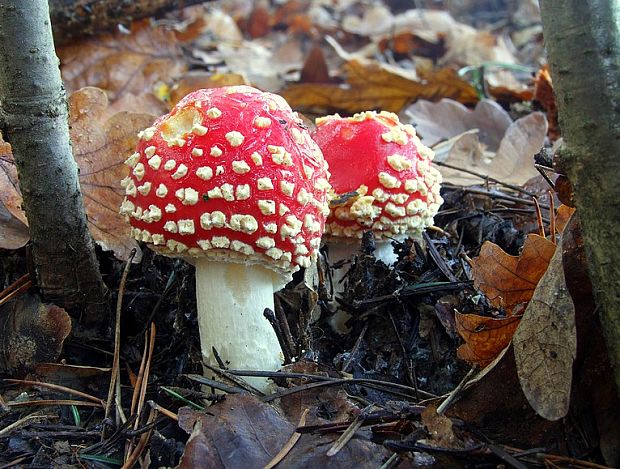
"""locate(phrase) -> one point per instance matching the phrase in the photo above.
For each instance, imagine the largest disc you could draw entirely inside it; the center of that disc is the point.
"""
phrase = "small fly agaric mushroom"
(231, 179)
(386, 170)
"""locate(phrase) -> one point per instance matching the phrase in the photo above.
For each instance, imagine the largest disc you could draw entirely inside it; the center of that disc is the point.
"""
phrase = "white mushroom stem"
(231, 299)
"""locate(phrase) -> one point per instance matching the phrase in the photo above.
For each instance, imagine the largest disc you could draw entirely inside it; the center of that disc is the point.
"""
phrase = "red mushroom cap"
(387, 166)
(231, 174)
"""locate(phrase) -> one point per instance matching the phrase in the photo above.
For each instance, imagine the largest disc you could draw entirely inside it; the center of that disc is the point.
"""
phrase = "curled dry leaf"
(126, 66)
(30, 333)
(371, 85)
(484, 140)
(447, 118)
(485, 337)
(101, 143)
(507, 280)
(545, 344)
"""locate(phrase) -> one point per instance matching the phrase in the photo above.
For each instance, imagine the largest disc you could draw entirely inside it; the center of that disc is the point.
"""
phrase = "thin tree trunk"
(33, 110)
(76, 18)
(583, 46)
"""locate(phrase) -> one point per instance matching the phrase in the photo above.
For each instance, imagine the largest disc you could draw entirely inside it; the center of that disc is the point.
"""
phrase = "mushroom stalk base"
(231, 299)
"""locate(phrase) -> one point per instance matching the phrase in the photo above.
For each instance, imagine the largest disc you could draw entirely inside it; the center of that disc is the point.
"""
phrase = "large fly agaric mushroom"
(382, 173)
(231, 179)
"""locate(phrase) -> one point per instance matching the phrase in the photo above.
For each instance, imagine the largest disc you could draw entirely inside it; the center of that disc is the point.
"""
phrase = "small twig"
(145, 380)
(3, 406)
(276, 325)
(542, 170)
(163, 410)
(541, 225)
(215, 384)
(288, 446)
(135, 454)
(415, 290)
(15, 289)
(493, 194)
(286, 332)
(231, 377)
(485, 177)
(115, 373)
(53, 402)
(355, 348)
(18, 423)
(552, 227)
(372, 383)
(507, 458)
(390, 462)
(439, 261)
(349, 432)
(403, 350)
(454, 393)
(572, 462)
(139, 392)
(56, 387)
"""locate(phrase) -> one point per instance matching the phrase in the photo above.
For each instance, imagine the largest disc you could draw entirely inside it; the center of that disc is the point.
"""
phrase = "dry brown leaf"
(371, 85)
(10, 196)
(500, 148)
(242, 431)
(439, 428)
(507, 280)
(545, 344)
(485, 337)
(13, 233)
(30, 333)
(127, 67)
(315, 68)
(406, 43)
(514, 160)
(447, 118)
(13, 227)
(101, 143)
(563, 216)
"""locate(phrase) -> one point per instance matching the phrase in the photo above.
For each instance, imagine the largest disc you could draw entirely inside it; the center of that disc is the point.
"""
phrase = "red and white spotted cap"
(385, 162)
(229, 174)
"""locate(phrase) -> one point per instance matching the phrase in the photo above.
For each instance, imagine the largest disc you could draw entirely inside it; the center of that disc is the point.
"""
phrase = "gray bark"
(583, 46)
(33, 110)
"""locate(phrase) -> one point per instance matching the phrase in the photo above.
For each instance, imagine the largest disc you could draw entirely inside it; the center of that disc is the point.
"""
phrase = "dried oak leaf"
(507, 280)
(371, 85)
(126, 66)
(31, 332)
(13, 227)
(447, 118)
(485, 337)
(485, 140)
(101, 142)
(242, 431)
(545, 344)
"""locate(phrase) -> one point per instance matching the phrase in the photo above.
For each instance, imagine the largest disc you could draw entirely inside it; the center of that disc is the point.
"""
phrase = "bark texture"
(583, 47)
(33, 110)
(76, 18)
